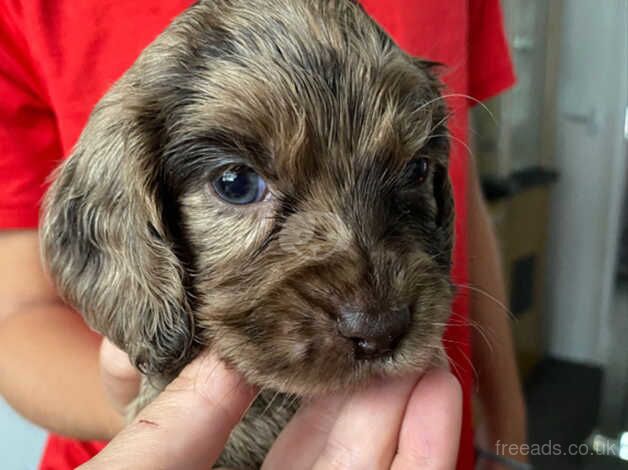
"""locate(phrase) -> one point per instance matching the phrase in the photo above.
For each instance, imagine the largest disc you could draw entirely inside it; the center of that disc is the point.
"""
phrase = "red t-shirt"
(58, 58)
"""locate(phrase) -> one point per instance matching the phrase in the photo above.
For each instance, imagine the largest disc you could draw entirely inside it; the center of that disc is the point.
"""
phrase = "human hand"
(501, 444)
(120, 380)
(394, 424)
(401, 424)
(186, 426)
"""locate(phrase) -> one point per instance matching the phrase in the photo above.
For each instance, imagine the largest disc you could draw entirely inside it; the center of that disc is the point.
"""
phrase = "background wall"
(591, 159)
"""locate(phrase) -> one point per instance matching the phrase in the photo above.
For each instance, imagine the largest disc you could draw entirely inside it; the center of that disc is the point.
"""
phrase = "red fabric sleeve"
(490, 67)
(29, 143)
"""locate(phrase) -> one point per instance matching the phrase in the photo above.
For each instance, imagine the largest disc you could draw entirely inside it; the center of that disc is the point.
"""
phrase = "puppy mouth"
(327, 355)
(337, 367)
(374, 336)
(366, 350)
(390, 349)
(360, 370)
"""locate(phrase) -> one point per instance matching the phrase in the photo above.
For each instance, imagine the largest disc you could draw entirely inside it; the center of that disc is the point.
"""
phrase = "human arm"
(49, 359)
(499, 386)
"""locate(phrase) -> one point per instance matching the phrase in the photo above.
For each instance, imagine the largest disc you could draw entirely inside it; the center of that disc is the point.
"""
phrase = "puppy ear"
(443, 195)
(429, 65)
(440, 144)
(106, 245)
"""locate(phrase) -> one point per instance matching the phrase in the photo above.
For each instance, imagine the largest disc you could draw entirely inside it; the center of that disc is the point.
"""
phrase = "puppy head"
(270, 180)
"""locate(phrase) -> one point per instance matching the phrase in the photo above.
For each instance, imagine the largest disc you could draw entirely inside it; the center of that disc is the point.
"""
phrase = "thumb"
(120, 379)
(187, 426)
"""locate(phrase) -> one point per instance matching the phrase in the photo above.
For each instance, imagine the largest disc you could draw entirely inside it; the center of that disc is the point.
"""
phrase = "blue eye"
(239, 185)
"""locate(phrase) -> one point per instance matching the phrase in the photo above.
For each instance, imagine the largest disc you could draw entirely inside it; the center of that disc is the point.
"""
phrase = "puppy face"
(269, 180)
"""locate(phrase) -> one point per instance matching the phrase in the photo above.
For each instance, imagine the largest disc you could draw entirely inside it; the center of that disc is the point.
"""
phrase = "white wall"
(591, 158)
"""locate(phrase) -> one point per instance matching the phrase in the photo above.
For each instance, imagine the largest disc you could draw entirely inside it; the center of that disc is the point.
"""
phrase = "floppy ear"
(443, 195)
(106, 245)
(443, 192)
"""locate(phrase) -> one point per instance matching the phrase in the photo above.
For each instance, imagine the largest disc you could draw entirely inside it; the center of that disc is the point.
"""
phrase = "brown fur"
(331, 113)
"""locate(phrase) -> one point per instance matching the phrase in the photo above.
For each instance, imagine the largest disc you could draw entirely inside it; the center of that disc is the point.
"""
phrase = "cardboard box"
(521, 222)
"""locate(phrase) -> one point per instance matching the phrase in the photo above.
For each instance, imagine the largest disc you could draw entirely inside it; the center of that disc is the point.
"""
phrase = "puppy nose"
(373, 335)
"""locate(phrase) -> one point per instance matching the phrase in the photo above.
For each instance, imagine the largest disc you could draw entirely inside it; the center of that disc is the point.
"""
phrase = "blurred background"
(553, 160)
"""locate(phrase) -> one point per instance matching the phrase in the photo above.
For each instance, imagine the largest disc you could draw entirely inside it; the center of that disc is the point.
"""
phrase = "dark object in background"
(519, 206)
(522, 288)
(562, 399)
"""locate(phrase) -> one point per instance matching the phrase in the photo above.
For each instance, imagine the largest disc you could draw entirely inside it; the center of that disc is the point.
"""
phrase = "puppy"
(268, 180)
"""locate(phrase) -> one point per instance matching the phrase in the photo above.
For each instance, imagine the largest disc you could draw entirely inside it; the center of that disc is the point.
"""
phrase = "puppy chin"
(338, 369)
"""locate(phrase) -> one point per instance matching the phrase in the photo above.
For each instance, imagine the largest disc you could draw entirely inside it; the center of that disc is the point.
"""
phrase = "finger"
(430, 432)
(120, 379)
(314, 419)
(366, 431)
(187, 426)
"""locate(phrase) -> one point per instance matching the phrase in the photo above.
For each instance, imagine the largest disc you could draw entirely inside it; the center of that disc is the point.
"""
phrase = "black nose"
(374, 335)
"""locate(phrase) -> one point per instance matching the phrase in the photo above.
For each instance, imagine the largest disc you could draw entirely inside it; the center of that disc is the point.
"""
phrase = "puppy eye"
(240, 185)
(419, 170)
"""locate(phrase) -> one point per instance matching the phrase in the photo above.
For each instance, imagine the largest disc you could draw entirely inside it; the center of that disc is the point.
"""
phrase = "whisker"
(476, 101)
(461, 95)
(488, 296)
(458, 320)
(455, 366)
(457, 139)
(295, 398)
(270, 403)
(476, 374)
